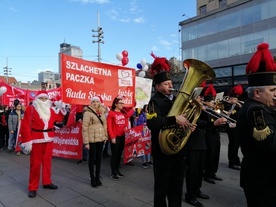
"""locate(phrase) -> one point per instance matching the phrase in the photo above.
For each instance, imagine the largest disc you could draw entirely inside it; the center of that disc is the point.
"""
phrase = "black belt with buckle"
(43, 130)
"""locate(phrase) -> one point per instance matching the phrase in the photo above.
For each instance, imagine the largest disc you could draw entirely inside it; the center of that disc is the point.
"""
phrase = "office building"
(225, 36)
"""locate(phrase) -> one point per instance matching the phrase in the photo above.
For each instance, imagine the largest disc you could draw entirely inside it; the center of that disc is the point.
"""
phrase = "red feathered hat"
(261, 69)
(236, 91)
(42, 93)
(210, 93)
(160, 69)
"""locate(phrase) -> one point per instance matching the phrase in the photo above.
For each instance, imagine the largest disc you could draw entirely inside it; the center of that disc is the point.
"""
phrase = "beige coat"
(92, 129)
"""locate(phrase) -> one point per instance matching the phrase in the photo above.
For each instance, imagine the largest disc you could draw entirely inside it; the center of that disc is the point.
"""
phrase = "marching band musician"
(168, 170)
(195, 157)
(232, 108)
(257, 131)
(212, 137)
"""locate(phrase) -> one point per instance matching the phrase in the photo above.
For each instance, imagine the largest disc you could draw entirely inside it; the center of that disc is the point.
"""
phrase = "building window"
(223, 72)
(211, 0)
(203, 9)
(222, 3)
(239, 70)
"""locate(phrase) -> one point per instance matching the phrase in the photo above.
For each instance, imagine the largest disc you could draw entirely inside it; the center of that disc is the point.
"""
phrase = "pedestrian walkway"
(135, 190)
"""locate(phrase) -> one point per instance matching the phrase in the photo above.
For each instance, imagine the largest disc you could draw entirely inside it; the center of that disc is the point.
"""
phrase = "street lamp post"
(7, 71)
(99, 37)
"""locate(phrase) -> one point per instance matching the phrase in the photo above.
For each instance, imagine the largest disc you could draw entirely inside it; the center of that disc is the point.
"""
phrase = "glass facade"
(227, 37)
(232, 32)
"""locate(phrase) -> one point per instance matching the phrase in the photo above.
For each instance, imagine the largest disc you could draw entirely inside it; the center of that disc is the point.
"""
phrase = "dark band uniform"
(168, 169)
(233, 146)
(196, 155)
(258, 144)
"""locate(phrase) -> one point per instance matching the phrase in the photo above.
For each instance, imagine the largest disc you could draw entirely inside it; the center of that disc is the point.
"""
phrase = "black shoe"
(32, 194)
(119, 174)
(106, 155)
(209, 180)
(194, 202)
(98, 182)
(114, 177)
(94, 183)
(82, 162)
(51, 186)
(214, 177)
(202, 196)
(234, 167)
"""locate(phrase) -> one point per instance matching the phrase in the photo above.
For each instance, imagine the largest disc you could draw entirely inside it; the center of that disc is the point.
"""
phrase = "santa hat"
(42, 93)
(97, 98)
(210, 93)
(261, 69)
(160, 69)
(236, 91)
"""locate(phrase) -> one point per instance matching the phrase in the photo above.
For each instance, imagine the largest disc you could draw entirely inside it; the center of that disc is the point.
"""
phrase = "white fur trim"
(42, 95)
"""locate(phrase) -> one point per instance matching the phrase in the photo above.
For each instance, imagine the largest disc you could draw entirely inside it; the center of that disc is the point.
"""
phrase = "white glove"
(232, 125)
(26, 147)
(59, 104)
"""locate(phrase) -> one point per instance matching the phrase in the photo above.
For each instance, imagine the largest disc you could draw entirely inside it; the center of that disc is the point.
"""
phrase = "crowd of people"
(250, 125)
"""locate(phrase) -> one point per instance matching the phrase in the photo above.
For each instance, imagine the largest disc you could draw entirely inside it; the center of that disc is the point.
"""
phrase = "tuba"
(173, 140)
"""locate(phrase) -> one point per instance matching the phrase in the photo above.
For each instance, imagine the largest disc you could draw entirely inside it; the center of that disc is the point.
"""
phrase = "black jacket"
(160, 105)
(259, 162)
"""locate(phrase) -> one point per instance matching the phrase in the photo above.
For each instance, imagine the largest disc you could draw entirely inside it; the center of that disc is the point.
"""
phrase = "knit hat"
(210, 93)
(96, 98)
(236, 91)
(42, 93)
(160, 69)
(261, 69)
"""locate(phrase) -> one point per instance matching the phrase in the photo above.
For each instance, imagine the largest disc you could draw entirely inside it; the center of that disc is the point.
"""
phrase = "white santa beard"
(43, 108)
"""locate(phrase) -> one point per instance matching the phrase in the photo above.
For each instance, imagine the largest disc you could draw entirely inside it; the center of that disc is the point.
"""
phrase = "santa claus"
(37, 132)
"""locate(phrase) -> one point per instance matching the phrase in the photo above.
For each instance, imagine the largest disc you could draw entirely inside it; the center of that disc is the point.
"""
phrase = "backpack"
(3, 120)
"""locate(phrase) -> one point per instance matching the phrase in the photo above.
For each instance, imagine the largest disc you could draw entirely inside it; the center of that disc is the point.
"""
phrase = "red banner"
(68, 142)
(82, 79)
(137, 142)
(25, 96)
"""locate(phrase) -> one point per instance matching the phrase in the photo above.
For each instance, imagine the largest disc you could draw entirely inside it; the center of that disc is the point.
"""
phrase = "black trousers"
(194, 174)
(233, 147)
(212, 158)
(95, 158)
(168, 180)
(116, 153)
(105, 151)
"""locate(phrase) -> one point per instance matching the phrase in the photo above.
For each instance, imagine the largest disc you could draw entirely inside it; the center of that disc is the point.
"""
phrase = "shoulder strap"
(95, 114)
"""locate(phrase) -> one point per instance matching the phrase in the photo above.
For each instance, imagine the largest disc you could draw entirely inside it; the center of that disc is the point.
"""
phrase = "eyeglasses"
(120, 103)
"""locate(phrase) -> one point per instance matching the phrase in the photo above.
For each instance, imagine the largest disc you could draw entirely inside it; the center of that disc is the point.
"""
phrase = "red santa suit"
(37, 132)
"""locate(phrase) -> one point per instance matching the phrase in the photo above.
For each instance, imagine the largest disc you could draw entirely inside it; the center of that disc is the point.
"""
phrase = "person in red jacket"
(117, 123)
(37, 132)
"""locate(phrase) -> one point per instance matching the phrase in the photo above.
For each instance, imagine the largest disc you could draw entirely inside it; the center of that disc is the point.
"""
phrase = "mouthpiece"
(175, 90)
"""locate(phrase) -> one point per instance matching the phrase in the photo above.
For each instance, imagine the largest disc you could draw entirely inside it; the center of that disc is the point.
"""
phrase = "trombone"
(218, 115)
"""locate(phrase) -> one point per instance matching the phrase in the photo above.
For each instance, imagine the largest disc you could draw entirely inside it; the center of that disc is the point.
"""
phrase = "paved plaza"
(135, 190)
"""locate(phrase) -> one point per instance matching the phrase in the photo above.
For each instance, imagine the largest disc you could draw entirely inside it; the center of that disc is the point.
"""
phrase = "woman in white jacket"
(94, 133)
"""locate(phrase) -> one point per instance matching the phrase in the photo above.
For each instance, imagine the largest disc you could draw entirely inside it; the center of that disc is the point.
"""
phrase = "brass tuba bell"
(173, 140)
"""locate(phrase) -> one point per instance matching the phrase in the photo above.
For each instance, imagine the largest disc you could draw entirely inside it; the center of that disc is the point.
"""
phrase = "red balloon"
(125, 61)
(125, 53)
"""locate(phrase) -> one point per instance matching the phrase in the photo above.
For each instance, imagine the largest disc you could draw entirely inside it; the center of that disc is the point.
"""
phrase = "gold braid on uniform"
(260, 131)
(151, 113)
